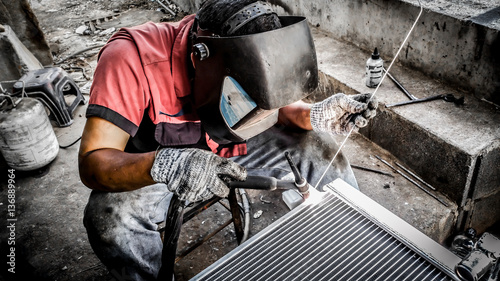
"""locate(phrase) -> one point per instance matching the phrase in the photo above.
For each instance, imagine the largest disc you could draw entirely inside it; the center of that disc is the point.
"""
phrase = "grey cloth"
(122, 227)
(194, 174)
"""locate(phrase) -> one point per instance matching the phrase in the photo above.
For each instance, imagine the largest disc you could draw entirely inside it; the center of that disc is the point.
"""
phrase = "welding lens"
(241, 112)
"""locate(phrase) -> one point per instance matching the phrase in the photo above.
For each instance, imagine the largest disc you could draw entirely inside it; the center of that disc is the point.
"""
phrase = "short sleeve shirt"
(142, 80)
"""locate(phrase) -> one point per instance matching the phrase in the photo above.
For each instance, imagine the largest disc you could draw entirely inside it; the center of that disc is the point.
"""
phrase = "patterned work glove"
(195, 174)
(339, 113)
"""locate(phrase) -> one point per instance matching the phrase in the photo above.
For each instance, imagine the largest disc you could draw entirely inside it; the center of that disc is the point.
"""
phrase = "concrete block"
(23, 21)
(488, 175)
(443, 46)
(483, 212)
(443, 165)
(18, 59)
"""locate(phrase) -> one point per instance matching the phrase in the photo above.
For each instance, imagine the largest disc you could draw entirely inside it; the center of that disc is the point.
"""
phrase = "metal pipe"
(201, 241)
(412, 97)
(415, 176)
(412, 181)
(372, 170)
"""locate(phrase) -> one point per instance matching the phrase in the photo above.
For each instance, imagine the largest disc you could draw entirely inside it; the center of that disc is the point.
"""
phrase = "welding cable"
(374, 92)
(246, 209)
(69, 145)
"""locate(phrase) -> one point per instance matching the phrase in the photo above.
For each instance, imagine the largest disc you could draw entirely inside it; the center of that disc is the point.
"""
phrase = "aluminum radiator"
(336, 235)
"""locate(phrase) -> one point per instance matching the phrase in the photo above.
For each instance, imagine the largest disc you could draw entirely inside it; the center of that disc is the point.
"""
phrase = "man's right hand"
(195, 174)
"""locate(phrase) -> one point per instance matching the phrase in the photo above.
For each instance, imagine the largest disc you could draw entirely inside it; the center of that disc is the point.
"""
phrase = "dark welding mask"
(242, 81)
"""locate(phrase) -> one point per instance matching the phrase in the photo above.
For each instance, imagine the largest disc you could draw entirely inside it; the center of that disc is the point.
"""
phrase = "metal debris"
(257, 214)
(372, 170)
(412, 181)
(264, 200)
(82, 29)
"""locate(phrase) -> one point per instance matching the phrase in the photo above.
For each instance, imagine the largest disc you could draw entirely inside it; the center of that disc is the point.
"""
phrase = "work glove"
(195, 174)
(339, 113)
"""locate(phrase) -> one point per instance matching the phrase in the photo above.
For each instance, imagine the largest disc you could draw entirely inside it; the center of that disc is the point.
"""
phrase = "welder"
(182, 108)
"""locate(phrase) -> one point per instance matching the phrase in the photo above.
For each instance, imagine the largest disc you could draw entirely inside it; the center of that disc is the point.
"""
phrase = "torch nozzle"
(300, 182)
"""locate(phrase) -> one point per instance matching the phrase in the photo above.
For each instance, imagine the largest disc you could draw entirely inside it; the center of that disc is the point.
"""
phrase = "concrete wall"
(462, 53)
(19, 16)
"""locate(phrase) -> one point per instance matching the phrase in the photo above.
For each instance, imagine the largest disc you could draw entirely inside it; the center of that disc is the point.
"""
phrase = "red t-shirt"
(142, 84)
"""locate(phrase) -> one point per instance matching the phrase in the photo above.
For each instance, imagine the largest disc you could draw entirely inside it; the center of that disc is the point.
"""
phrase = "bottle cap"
(375, 54)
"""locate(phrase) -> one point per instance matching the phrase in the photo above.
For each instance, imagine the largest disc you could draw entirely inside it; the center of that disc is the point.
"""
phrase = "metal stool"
(50, 85)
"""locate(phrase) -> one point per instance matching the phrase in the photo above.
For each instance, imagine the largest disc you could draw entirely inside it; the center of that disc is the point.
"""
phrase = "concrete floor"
(51, 242)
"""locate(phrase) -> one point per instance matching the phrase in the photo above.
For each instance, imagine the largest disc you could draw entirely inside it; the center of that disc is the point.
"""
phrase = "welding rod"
(412, 181)
(415, 176)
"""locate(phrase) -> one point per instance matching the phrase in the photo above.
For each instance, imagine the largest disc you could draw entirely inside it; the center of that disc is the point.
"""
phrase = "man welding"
(183, 108)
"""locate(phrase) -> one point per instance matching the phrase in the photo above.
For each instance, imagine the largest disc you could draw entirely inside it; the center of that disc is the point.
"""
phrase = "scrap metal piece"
(165, 6)
(412, 181)
(445, 97)
(410, 96)
(372, 170)
(264, 200)
(415, 176)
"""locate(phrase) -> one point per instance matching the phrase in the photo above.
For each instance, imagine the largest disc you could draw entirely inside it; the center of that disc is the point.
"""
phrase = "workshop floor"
(51, 242)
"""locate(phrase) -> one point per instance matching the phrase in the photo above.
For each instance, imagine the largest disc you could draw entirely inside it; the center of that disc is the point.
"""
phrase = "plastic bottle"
(374, 66)
(464, 243)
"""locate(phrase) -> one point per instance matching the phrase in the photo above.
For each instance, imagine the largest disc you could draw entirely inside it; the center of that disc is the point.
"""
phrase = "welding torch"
(271, 183)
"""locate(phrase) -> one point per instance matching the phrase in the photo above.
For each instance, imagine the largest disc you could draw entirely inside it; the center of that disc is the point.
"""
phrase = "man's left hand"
(339, 113)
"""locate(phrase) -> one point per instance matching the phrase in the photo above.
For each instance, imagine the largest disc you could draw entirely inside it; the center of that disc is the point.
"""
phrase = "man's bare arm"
(296, 115)
(104, 165)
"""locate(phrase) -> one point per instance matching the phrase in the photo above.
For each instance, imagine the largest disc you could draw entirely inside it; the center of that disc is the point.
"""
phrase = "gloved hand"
(339, 113)
(195, 174)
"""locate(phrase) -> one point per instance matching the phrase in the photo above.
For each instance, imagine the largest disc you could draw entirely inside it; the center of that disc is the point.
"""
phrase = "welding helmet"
(242, 81)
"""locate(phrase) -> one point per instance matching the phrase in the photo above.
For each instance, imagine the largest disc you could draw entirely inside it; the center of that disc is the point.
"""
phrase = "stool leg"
(172, 231)
(235, 210)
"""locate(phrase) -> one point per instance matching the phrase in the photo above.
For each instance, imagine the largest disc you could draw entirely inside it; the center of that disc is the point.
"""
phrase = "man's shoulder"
(152, 30)
(153, 41)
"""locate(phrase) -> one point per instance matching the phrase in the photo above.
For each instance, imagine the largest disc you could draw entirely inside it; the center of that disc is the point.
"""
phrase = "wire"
(374, 92)
(66, 146)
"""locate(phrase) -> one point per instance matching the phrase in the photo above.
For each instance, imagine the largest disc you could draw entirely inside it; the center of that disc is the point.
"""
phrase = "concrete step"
(454, 148)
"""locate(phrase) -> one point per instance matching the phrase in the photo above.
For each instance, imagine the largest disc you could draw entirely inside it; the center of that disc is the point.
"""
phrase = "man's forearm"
(114, 170)
(296, 115)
